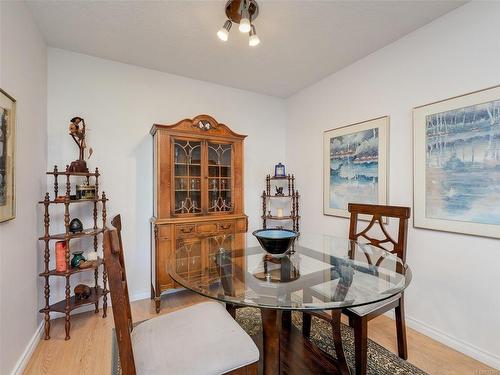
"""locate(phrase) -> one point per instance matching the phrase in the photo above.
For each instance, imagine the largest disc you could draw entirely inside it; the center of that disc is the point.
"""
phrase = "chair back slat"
(378, 213)
(113, 260)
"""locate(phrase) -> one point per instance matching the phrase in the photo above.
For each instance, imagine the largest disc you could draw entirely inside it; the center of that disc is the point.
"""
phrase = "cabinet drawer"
(182, 230)
(206, 229)
(225, 227)
(241, 226)
(210, 228)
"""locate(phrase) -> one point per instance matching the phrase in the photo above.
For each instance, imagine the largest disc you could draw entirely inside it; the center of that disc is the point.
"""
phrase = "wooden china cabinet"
(198, 192)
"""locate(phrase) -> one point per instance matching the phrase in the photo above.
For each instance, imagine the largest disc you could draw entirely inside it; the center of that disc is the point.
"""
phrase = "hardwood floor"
(89, 350)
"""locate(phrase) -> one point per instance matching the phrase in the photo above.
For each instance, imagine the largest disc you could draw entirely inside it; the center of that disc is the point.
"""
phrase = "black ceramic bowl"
(276, 241)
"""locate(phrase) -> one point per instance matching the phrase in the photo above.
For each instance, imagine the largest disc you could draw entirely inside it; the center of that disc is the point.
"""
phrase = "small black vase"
(75, 226)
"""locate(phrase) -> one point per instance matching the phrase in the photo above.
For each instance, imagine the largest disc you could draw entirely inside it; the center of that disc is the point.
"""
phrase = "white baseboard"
(145, 294)
(22, 362)
(481, 355)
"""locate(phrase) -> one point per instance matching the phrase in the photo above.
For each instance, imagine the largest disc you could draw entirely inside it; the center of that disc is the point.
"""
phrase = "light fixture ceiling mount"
(234, 8)
(242, 12)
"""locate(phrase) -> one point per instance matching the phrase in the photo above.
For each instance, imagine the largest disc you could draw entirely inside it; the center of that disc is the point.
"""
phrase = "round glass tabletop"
(319, 272)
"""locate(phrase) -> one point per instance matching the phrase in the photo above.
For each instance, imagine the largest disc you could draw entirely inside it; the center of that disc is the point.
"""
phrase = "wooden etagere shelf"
(272, 217)
(61, 306)
(73, 270)
(71, 201)
(70, 302)
(291, 194)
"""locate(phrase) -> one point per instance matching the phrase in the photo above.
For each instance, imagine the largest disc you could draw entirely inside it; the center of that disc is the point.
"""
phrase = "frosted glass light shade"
(244, 25)
(253, 41)
(254, 38)
(223, 33)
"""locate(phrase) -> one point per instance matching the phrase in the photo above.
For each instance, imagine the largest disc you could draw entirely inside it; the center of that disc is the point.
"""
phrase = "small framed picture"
(355, 164)
(7, 154)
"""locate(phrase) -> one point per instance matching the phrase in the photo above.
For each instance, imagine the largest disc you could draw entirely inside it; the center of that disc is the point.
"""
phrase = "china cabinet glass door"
(220, 187)
(218, 247)
(190, 257)
(187, 176)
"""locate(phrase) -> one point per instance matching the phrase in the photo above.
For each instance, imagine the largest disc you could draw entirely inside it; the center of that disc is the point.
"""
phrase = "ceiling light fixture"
(242, 12)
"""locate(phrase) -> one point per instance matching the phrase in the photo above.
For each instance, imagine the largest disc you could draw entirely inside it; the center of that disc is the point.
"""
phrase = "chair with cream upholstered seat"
(198, 340)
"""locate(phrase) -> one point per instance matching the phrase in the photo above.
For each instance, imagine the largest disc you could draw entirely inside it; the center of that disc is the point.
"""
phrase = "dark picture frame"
(7, 156)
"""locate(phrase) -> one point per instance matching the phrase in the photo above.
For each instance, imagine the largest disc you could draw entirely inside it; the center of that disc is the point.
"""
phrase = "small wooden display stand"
(292, 195)
(70, 303)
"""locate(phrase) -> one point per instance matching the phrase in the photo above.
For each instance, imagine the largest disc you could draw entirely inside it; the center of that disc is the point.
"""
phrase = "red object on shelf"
(61, 265)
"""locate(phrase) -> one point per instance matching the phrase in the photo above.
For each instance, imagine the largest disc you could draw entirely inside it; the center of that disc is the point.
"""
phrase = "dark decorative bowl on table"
(276, 241)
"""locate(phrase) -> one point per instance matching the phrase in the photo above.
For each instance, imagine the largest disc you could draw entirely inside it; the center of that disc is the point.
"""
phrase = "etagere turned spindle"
(70, 303)
(292, 195)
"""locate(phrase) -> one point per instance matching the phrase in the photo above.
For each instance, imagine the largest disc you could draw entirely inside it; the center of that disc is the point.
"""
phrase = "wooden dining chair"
(200, 339)
(359, 316)
(116, 222)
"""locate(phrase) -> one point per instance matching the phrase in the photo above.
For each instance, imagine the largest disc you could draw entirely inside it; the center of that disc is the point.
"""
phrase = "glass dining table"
(318, 273)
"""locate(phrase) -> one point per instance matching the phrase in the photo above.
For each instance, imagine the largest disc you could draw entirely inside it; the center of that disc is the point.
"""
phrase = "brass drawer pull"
(225, 226)
(187, 230)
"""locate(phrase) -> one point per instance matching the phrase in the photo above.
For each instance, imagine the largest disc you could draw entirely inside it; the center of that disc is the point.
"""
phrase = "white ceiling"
(301, 41)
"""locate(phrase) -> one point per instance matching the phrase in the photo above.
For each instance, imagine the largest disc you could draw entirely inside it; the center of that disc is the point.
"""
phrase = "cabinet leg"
(157, 304)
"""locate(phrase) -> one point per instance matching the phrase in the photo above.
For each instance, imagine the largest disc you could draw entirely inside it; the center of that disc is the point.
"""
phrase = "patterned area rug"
(380, 360)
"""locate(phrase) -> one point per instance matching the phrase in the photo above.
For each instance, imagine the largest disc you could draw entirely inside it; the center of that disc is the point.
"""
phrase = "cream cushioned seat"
(202, 339)
(366, 309)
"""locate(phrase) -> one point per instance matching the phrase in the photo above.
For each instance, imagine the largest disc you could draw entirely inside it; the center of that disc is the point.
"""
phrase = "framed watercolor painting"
(355, 165)
(7, 152)
(457, 164)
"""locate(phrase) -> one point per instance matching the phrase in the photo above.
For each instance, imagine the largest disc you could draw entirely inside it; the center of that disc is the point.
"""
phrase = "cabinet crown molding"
(201, 124)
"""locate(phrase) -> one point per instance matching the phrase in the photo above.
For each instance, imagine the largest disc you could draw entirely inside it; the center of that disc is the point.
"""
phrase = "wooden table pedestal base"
(284, 350)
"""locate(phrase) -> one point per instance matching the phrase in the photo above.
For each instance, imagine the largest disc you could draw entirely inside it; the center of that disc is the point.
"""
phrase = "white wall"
(453, 295)
(23, 75)
(120, 103)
